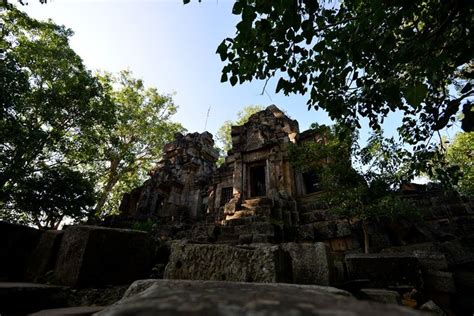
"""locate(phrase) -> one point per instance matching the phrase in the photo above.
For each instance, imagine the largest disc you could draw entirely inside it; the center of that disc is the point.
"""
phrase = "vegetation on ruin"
(460, 153)
(223, 133)
(361, 183)
(70, 142)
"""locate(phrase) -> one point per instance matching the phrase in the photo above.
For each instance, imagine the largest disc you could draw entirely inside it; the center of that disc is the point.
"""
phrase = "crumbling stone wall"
(179, 183)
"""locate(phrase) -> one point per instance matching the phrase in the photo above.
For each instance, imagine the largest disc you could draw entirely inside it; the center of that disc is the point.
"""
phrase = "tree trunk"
(365, 229)
(111, 182)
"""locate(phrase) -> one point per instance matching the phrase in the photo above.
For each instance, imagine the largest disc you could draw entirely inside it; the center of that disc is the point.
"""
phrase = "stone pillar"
(238, 176)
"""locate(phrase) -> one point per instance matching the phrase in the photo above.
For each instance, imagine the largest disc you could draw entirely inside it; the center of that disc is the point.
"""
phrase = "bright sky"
(171, 46)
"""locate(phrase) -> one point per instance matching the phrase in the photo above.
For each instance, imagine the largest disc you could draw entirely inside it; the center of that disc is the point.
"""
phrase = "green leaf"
(186, 1)
(237, 8)
(233, 80)
(224, 77)
(222, 50)
(416, 94)
(280, 85)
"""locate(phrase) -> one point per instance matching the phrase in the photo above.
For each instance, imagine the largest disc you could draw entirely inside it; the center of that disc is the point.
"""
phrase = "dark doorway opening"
(257, 181)
(226, 195)
(311, 182)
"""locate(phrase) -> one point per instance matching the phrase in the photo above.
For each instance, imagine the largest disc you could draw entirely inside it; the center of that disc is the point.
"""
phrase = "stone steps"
(251, 203)
(22, 298)
(315, 216)
(247, 233)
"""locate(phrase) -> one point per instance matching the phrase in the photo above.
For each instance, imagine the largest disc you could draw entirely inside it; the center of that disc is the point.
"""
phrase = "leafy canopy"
(128, 148)
(51, 107)
(461, 154)
(361, 58)
(46, 198)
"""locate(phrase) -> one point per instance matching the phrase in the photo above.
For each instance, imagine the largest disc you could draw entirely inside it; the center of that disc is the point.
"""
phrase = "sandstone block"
(311, 263)
(439, 281)
(306, 232)
(17, 243)
(24, 298)
(91, 255)
(431, 260)
(43, 258)
(227, 263)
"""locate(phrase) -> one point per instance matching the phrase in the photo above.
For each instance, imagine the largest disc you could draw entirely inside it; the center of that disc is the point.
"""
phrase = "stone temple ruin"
(256, 183)
(252, 219)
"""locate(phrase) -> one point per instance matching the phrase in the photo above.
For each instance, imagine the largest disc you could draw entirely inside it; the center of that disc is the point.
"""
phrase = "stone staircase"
(313, 211)
(250, 224)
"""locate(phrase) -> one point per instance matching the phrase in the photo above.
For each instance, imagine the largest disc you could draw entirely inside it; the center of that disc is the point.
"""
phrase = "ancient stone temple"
(257, 170)
(255, 183)
(178, 185)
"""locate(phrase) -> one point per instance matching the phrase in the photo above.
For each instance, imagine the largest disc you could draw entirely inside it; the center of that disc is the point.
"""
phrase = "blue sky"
(172, 46)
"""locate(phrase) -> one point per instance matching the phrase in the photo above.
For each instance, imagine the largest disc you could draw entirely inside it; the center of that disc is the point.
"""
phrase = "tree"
(361, 58)
(51, 107)
(461, 153)
(357, 183)
(45, 198)
(128, 148)
(223, 134)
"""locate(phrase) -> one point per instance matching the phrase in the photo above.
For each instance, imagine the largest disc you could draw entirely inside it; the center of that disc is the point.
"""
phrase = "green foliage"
(146, 226)
(128, 149)
(366, 191)
(361, 58)
(460, 153)
(223, 134)
(51, 106)
(47, 197)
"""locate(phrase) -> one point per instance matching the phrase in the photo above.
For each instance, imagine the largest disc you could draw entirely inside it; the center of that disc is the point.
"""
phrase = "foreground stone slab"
(178, 297)
(385, 270)
(227, 263)
(97, 256)
(70, 311)
(22, 298)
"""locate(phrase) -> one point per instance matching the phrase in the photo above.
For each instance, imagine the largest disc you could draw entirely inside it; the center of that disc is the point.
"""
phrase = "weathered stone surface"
(70, 311)
(178, 186)
(17, 243)
(385, 270)
(138, 287)
(431, 260)
(92, 255)
(306, 232)
(43, 258)
(173, 297)
(223, 262)
(311, 263)
(331, 229)
(439, 281)
(433, 308)
(23, 298)
(382, 296)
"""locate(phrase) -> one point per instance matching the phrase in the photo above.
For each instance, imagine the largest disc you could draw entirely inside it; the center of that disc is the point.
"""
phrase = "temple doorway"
(257, 180)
